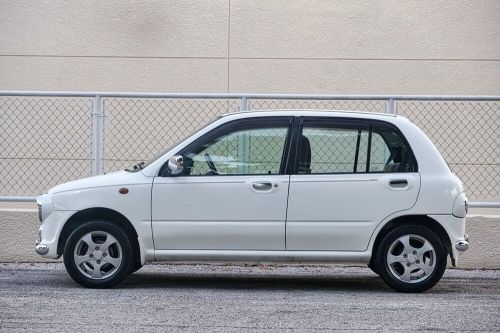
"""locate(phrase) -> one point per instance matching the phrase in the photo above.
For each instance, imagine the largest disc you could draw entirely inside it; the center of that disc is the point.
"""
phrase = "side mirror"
(175, 164)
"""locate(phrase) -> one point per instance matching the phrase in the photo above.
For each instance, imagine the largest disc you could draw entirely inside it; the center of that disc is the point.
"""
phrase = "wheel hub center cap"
(97, 254)
(412, 258)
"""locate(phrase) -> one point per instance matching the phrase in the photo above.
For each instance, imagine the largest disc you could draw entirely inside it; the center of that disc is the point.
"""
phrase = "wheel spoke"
(110, 240)
(81, 259)
(88, 240)
(96, 274)
(425, 267)
(405, 240)
(113, 261)
(406, 275)
(391, 259)
(425, 248)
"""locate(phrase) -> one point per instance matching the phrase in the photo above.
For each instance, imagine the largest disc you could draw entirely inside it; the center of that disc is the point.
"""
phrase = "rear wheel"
(411, 258)
(98, 254)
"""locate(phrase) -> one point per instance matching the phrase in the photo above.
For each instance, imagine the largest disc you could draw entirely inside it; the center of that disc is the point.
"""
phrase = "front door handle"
(398, 182)
(262, 186)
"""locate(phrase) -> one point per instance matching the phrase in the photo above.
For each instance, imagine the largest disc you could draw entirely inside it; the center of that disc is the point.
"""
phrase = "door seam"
(286, 212)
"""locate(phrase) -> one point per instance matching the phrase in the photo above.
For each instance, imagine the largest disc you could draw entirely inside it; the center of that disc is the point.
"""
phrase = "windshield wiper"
(137, 167)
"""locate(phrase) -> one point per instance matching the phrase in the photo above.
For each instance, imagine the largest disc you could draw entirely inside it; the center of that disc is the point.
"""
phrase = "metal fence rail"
(48, 138)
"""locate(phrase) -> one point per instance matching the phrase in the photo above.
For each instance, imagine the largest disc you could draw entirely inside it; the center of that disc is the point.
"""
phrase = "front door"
(350, 176)
(232, 192)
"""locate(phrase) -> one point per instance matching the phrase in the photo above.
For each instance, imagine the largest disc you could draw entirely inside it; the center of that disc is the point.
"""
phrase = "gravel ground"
(228, 298)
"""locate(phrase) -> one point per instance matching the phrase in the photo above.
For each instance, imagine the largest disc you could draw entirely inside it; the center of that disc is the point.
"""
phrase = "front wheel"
(411, 258)
(98, 254)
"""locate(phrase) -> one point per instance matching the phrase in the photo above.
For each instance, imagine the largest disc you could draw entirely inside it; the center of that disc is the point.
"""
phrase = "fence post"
(390, 107)
(244, 104)
(97, 135)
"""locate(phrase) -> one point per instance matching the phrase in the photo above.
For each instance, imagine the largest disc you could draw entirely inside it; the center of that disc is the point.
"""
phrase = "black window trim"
(235, 125)
(292, 166)
(350, 123)
(356, 156)
(369, 150)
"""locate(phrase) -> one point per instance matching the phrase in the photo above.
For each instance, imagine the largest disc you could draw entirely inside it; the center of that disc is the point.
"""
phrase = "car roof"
(311, 113)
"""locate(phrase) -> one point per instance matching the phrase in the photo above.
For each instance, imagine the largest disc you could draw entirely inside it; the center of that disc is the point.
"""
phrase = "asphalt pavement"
(257, 298)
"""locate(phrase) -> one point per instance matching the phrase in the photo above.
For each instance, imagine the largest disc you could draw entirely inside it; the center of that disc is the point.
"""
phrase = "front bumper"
(41, 249)
(48, 233)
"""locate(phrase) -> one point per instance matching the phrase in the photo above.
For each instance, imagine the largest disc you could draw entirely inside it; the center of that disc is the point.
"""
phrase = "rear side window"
(332, 150)
(390, 152)
(326, 148)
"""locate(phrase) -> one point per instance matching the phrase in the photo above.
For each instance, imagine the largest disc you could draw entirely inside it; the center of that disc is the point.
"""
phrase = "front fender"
(135, 206)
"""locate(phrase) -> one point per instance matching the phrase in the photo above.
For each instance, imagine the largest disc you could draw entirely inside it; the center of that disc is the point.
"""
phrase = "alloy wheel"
(411, 258)
(98, 255)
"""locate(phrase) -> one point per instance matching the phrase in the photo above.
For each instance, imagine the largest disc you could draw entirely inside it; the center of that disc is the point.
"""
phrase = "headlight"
(45, 206)
(460, 207)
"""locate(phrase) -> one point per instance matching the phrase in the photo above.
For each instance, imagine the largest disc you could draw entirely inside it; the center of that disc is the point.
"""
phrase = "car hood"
(108, 179)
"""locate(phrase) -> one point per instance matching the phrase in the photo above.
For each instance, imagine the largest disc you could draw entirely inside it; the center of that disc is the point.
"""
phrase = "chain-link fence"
(51, 138)
(43, 141)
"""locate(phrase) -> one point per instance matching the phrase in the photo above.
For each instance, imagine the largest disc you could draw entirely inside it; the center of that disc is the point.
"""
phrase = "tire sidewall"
(115, 231)
(383, 268)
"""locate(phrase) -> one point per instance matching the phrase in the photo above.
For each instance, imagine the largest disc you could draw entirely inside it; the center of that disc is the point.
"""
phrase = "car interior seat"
(398, 161)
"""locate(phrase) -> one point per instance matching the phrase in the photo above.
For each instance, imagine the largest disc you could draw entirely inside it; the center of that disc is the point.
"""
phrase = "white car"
(269, 186)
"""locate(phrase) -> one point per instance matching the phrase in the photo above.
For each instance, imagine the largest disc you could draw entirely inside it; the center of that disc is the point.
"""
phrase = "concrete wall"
(308, 46)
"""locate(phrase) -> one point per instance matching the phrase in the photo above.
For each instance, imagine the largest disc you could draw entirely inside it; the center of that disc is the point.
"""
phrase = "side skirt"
(263, 256)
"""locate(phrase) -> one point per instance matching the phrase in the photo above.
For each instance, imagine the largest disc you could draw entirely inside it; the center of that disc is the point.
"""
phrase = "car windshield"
(141, 165)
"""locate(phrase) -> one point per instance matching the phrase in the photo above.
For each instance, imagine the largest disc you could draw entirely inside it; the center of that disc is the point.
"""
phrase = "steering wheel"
(211, 165)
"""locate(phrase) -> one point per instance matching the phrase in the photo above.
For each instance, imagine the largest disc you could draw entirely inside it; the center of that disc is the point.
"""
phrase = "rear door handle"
(398, 182)
(262, 186)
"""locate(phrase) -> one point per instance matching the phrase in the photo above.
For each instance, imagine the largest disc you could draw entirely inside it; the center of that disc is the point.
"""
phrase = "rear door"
(350, 175)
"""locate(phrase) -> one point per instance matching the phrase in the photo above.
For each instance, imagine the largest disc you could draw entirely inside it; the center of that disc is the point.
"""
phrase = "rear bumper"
(455, 228)
(463, 245)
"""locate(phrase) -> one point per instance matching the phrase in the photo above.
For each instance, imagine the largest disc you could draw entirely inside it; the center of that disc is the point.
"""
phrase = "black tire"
(137, 266)
(126, 252)
(388, 274)
(371, 265)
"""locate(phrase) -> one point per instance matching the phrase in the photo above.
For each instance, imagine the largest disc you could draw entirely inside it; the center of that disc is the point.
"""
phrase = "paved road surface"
(226, 298)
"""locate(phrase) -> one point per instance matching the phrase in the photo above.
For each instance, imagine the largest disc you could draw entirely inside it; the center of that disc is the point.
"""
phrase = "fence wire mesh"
(468, 136)
(359, 105)
(47, 140)
(137, 129)
(44, 141)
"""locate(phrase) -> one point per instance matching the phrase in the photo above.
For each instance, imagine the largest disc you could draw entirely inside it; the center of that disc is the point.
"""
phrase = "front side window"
(326, 148)
(251, 150)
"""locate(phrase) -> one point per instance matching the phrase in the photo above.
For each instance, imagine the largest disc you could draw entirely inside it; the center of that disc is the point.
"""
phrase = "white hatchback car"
(280, 186)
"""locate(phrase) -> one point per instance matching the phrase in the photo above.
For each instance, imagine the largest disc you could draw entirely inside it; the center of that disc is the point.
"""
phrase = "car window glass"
(379, 153)
(351, 149)
(389, 149)
(333, 150)
(243, 152)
